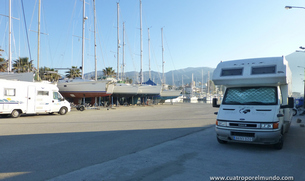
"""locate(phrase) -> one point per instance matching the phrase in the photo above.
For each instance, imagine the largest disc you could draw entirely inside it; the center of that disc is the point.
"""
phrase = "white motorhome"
(21, 97)
(256, 107)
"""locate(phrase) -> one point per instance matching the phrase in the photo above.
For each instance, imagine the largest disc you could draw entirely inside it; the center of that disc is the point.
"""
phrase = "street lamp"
(290, 7)
(304, 86)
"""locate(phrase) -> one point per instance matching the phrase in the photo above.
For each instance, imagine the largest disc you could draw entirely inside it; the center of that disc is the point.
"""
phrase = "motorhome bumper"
(257, 137)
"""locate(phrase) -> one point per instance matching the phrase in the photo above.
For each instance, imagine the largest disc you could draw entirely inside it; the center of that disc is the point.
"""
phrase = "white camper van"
(256, 106)
(20, 97)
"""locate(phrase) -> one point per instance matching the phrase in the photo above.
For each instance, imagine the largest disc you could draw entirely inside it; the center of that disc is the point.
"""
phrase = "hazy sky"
(197, 33)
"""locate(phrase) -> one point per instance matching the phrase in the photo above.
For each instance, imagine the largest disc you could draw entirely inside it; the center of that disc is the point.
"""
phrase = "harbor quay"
(158, 142)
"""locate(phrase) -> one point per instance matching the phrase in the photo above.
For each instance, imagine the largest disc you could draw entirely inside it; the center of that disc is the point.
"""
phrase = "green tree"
(108, 72)
(49, 74)
(128, 80)
(23, 65)
(3, 65)
(73, 72)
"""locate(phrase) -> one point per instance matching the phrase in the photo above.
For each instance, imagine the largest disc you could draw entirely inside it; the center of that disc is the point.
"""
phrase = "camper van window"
(9, 92)
(230, 72)
(263, 70)
(251, 96)
(43, 93)
(55, 95)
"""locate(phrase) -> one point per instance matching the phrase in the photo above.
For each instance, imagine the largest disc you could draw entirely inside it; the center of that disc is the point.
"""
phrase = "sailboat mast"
(9, 68)
(95, 60)
(162, 56)
(141, 45)
(83, 38)
(38, 39)
(123, 71)
(118, 39)
(149, 54)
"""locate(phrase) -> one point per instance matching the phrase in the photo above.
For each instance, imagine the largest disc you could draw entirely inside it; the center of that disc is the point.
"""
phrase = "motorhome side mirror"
(215, 102)
(290, 103)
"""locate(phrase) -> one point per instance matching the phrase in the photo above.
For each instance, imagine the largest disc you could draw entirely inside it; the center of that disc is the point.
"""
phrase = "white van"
(256, 106)
(21, 97)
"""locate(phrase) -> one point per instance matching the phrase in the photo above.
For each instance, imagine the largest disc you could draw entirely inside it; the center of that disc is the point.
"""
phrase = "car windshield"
(251, 96)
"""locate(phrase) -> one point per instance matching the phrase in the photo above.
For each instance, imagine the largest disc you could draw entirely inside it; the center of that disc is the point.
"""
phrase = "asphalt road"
(164, 142)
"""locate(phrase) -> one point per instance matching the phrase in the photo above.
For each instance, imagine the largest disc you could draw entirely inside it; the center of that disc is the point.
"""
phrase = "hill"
(176, 74)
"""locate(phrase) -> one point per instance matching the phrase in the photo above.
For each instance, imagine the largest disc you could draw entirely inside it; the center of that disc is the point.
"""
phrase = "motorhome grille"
(242, 134)
(243, 125)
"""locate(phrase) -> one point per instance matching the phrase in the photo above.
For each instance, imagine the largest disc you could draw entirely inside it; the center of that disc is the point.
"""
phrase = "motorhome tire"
(279, 145)
(63, 111)
(221, 141)
(15, 114)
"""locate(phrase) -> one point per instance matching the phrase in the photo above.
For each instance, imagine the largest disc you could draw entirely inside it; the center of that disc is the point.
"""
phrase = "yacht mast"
(9, 68)
(141, 45)
(123, 56)
(83, 37)
(38, 39)
(149, 54)
(118, 39)
(95, 41)
(162, 56)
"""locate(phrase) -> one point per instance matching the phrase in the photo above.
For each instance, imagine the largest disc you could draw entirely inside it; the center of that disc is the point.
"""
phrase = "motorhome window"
(263, 70)
(56, 95)
(230, 72)
(43, 93)
(9, 92)
(251, 96)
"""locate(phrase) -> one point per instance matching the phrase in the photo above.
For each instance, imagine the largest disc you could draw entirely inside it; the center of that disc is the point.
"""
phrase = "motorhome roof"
(257, 71)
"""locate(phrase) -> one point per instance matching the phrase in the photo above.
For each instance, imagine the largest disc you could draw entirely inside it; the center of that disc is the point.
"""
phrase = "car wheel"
(81, 108)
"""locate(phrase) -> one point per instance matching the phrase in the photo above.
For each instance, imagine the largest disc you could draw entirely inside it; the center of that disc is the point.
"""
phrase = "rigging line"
(154, 58)
(48, 39)
(26, 30)
(33, 14)
(66, 36)
(170, 54)
(97, 32)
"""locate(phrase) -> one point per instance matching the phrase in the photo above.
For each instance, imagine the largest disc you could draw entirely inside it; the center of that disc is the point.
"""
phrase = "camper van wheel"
(280, 144)
(15, 114)
(63, 111)
(221, 141)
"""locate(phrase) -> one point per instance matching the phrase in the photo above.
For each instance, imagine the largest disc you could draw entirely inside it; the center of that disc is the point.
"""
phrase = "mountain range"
(296, 62)
(176, 75)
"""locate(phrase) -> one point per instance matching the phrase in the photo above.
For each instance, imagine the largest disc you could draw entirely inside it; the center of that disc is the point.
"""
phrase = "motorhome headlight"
(221, 123)
(269, 125)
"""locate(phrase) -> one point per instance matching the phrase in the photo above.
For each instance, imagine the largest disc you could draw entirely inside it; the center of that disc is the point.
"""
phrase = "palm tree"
(108, 72)
(3, 65)
(48, 74)
(23, 65)
(73, 72)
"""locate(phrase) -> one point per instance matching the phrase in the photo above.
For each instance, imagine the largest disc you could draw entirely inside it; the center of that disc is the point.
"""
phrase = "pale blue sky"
(197, 33)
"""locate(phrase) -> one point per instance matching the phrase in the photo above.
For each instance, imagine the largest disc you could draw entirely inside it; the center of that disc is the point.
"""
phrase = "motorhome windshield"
(251, 96)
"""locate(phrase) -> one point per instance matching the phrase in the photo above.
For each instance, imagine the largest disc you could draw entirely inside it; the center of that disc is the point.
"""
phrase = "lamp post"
(304, 86)
(290, 7)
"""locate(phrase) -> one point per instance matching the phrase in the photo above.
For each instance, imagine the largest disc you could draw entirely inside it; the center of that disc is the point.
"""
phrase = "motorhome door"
(31, 99)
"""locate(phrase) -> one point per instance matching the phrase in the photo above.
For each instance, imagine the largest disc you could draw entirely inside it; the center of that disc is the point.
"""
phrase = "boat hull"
(81, 89)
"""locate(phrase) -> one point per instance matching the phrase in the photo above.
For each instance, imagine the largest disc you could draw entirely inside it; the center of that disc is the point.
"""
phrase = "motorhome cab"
(256, 106)
(20, 97)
